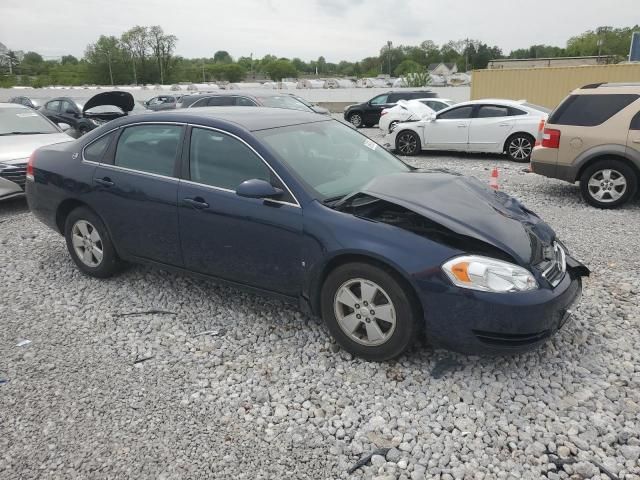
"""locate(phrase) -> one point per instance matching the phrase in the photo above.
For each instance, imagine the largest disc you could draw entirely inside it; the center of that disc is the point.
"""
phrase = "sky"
(337, 29)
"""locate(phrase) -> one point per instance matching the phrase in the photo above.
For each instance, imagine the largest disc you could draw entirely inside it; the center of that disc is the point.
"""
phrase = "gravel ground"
(266, 394)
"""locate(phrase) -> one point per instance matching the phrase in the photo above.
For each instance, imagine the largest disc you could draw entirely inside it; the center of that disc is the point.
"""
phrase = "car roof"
(608, 88)
(249, 118)
(220, 93)
(13, 105)
(494, 101)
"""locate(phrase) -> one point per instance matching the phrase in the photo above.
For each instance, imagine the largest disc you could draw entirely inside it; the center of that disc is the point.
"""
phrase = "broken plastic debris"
(22, 343)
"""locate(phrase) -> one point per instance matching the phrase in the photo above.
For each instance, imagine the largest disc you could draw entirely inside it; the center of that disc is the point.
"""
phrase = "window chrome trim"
(297, 204)
(108, 166)
(227, 190)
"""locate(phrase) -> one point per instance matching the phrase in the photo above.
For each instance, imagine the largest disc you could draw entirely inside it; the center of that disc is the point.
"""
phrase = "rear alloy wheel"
(408, 143)
(89, 244)
(608, 183)
(356, 120)
(368, 311)
(519, 147)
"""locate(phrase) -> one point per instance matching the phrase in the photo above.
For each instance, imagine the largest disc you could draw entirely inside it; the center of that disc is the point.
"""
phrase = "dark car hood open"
(123, 100)
(469, 208)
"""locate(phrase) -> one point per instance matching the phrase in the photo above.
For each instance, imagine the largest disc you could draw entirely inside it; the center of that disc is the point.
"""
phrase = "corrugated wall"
(546, 86)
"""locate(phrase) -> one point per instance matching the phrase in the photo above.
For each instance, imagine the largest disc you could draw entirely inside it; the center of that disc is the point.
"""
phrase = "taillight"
(384, 112)
(30, 166)
(540, 130)
(551, 138)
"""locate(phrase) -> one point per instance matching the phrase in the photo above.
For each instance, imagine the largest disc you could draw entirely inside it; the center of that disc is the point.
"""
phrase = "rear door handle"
(504, 125)
(105, 182)
(462, 125)
(197, 203)
(636, 140)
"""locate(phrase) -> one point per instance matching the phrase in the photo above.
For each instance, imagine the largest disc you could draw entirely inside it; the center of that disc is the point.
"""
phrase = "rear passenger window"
(220, 101)
(590, 110)
(244, 102)
(149, 148)
(635, 122)
(94, 151)
(457, 113)
(222, 161)
(491, 111)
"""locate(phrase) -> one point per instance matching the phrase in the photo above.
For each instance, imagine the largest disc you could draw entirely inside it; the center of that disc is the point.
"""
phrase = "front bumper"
(10, 189)
(473, 322)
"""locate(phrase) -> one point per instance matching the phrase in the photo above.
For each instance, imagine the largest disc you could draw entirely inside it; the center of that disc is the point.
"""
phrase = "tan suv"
(593, 137)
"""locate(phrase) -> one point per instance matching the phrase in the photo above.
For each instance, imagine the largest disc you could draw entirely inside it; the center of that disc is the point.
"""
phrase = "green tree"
(222, 56)
(162, 46)
(279, 69)
(233, 72)
(69, 60)
(407, 66)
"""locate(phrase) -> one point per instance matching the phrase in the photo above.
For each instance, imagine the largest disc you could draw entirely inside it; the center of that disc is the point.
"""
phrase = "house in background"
(443, 69)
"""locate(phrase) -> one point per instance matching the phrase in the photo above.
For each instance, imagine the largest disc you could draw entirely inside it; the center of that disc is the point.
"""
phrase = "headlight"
(488, 275)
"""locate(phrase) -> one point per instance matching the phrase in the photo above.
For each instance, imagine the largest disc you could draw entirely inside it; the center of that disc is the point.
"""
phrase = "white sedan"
(411, 110)
(491, 126)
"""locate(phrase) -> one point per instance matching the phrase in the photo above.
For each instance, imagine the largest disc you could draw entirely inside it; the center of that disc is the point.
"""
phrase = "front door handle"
(503, 125)
(197, 203)
(462, 125)
(105, 182)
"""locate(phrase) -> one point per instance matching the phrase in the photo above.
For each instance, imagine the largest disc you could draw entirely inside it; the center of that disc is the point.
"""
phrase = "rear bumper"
(544, 161)
(474, 322)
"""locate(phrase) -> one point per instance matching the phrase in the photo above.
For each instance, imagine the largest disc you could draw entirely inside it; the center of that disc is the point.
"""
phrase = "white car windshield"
(333, 160)
(23, 121)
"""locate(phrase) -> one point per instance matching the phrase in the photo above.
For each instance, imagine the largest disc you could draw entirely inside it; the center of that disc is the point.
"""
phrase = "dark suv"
(367, 114)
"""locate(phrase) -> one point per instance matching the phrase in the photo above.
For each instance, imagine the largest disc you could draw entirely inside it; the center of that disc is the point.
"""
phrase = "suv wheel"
(519, 147)
(368, 311)
(408, 143)
(356, 119)
(608, 183)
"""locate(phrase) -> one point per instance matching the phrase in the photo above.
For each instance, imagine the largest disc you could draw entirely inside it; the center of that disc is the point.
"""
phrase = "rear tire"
(368, 311)
(608, 183)
(89, 244)
(519, 147)
(408, 143)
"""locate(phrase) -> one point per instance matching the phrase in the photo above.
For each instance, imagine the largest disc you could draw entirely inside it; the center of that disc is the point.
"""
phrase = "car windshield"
(283, 101)
(332, 159)
(23, 121)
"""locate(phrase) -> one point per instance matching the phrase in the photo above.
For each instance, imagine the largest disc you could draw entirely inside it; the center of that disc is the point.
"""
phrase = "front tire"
(89, 244)
(519, 147)
(608, 183)
(356, 120)
(368, 311)
(408, 143)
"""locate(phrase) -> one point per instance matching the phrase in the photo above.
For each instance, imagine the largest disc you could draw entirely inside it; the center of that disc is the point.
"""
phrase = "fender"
(572, 172)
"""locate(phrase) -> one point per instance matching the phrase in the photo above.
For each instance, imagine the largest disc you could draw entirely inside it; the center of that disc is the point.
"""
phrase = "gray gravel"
(265, 393)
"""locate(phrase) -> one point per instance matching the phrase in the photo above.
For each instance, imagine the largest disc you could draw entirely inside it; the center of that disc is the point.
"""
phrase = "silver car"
(22, 130)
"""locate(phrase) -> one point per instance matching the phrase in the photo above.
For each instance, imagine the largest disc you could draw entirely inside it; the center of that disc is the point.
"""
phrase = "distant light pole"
(601, 31)
(389, 46)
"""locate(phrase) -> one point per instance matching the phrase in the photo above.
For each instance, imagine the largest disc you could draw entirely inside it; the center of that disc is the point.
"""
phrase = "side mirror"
(432, 117)
(64, 126)
(257, 188)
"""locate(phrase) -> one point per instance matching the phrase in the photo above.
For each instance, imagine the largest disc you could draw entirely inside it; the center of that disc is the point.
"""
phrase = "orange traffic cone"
(493, 183)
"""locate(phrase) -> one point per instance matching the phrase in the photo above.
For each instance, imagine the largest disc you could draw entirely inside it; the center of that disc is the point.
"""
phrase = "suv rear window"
(590, 110)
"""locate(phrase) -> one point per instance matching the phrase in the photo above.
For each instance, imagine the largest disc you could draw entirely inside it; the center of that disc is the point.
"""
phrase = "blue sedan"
(302, 207)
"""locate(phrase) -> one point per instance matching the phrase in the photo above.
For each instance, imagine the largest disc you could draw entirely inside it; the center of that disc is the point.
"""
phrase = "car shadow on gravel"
(12, 207)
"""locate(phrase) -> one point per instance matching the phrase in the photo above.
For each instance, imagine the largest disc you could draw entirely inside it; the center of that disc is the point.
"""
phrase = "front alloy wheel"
(356, 120)
(369, 310)
(408, 143)
(519, 148)
(364, 312)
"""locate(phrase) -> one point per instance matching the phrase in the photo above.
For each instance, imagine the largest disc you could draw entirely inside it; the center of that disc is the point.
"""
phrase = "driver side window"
(53, 106)
(457, 113)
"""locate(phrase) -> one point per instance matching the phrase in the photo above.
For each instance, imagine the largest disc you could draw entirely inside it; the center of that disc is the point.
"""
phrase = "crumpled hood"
(19, 147)
(468, 207)
(123, 100)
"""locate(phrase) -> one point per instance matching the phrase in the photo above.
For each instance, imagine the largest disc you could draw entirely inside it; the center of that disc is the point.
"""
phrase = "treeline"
(145, 55)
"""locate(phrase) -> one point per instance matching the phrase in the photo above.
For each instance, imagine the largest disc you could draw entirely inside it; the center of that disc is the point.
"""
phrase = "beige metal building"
(503, 63)
(546, 86)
